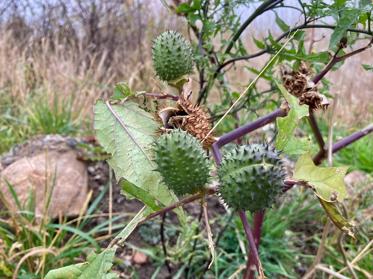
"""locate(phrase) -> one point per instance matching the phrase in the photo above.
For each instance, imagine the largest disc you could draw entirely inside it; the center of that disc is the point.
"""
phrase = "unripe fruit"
(182, 162)
(251, 177)
(172, 56)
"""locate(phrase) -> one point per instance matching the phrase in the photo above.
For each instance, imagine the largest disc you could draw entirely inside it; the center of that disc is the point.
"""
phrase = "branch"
(243, 130)
(300, 27)
(192, 198)
(260, 10)
(316, 131)
(208, 191)
(159, 96)
(343, 143)
(337, 59)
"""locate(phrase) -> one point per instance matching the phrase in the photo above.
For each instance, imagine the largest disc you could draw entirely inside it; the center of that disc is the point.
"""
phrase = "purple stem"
(343, 143)
(160, 96)
(243, 130)
(257, 230)
(252, 245)
(258, 219)
(216, 153)
(316, 131)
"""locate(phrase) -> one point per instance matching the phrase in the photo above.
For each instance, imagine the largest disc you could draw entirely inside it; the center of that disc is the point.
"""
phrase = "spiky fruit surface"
(251, 177)
(182, 162)
(172, 56)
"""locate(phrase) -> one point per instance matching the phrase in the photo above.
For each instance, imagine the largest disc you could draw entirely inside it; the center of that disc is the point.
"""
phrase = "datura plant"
(163, 157)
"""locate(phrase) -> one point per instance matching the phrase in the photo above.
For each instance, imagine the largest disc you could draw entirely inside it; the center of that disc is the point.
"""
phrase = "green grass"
(55, 118)
(31, 246)
(40, 116)
(358, 155)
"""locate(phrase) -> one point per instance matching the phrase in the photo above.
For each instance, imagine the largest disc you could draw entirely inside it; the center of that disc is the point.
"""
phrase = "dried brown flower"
(299, 84)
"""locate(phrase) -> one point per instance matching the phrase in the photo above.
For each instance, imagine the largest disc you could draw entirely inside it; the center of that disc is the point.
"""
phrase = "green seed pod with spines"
(251, 177)
(182, 162)
(172, 56)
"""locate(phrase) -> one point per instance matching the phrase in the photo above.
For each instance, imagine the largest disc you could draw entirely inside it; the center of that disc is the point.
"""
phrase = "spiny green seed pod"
(251, 177)
(172, 56)
(182, 162)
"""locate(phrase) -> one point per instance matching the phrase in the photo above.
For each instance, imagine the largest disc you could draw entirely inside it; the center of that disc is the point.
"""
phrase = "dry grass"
(50, 66)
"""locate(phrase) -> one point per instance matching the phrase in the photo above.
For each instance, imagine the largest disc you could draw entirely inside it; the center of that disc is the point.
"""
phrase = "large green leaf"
(127, 133)
(298, 146)
(97, 267)
(286, 125)
(348, 18)
(327, 182)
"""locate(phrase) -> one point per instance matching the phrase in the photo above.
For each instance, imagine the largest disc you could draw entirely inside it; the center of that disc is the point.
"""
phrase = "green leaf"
(298, 146)
(140, 194)
(127, 133)
(327, 182)
(337, 218)
(184, 8)
(121, 91)
(286, 125)
(97, 267)
(259, 44)
(368, 67)
(349, 18)
(283, 26)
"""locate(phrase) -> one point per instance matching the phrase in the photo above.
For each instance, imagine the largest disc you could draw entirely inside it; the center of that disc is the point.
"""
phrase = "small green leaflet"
(121, 91)
(139, 194)
(327, 182)
(97, 267)
(280, 23)
(348, 18)
(337, 218)
(286, 125)
(368, 67)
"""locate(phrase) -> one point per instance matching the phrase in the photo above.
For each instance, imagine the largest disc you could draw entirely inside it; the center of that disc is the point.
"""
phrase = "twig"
(261, 9)
(218, 238)
(343, 252)
(110, 201)
(187, 269)
(320, 251)
(316, 131)
(209, 233)
(164, 247)
(159, 95)
(336, 59)
(285, 34)
(359, 256)
(208, 191)
(331, 272)
(192, 198)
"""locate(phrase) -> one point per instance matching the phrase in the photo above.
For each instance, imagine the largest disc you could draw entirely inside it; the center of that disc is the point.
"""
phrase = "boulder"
(56, 174)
